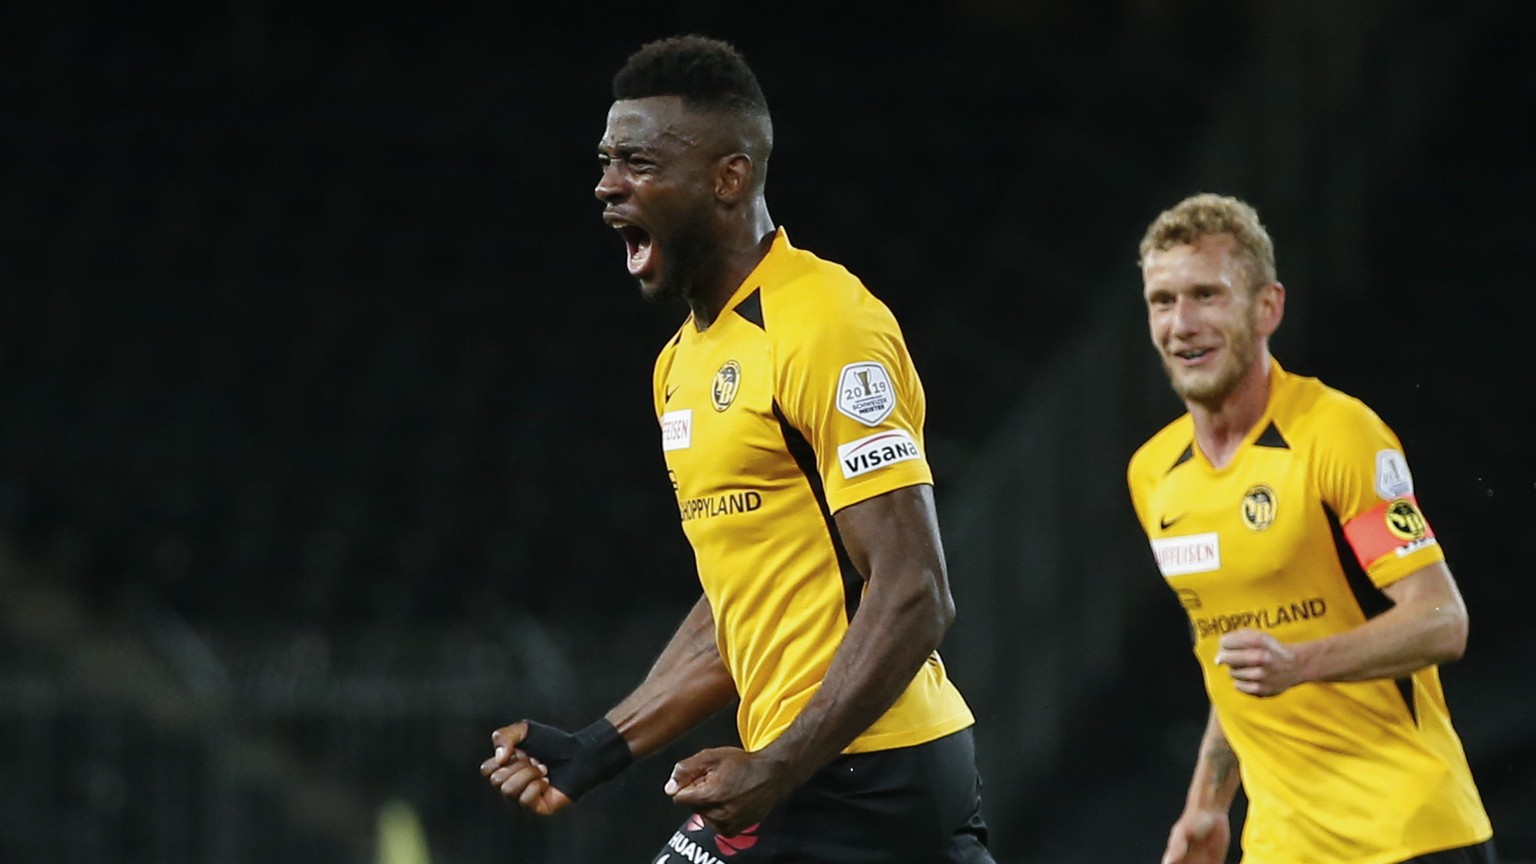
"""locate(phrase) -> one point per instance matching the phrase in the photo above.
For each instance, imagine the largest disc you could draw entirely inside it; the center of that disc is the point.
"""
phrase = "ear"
(1271, 308)
(733, 177)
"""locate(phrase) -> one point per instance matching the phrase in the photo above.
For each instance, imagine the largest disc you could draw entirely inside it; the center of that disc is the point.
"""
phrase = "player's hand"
(1260, 664)
(1199, 837)
(518, 776)
(729, 787)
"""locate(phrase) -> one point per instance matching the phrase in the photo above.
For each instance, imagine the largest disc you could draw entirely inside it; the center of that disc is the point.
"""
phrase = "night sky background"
(326, 442)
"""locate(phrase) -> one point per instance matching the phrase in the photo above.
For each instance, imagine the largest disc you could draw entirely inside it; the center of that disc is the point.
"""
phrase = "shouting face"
(659, 161)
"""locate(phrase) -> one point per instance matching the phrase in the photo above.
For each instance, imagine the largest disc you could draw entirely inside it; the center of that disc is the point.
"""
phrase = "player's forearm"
(901, 619)
(686, 685)
(1216, 778)
(1398, 642)
(1426, 626)
(897, 627)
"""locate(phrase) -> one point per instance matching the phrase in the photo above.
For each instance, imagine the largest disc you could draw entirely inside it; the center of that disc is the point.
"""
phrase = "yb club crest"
(1259, 507)
(1405, 521)
(727, 381)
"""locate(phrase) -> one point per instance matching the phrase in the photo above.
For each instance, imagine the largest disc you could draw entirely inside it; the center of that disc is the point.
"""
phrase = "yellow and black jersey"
(799, 400)
(1296, 536)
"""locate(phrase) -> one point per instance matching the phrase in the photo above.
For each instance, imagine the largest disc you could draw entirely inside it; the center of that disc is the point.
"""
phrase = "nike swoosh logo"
(668, 396)
(1165, 523)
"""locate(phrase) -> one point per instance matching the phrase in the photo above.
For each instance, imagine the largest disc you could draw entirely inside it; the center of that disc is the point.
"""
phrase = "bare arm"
(686, 685)
(1203, 831)
(1216, 779)
(893, 539)
(1426, 625)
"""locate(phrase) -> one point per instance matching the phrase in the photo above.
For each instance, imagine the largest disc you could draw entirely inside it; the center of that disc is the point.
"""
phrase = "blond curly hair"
(1208, 213)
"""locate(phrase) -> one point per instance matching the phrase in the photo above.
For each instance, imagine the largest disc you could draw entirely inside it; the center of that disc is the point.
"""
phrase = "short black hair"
(709, 74)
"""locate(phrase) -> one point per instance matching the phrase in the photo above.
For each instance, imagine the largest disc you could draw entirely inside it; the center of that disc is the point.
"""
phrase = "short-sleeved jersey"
(1296, 536)
(800, 399)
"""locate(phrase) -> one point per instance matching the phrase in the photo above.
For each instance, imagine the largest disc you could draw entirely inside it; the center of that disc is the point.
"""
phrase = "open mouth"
(638, 247)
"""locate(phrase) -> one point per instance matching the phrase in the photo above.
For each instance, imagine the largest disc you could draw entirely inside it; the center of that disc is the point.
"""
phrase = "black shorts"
(1480, 853)
(911, 805)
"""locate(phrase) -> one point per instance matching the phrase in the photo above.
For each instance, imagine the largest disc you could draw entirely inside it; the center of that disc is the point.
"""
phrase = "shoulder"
(1164, 449)
(1309, 409)
(669, 347)
(668, 353)
(808, 293)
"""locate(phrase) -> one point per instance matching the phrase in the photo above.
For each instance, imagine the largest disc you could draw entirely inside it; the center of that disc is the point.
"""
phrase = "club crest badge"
(1259, 507)
(727, 381)
(1405, 521)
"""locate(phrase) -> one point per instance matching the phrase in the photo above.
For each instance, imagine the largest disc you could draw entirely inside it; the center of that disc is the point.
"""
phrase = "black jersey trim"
(1271, 437)
(1373, 601)
(1188, 454)
(751, 308)
(805, 457)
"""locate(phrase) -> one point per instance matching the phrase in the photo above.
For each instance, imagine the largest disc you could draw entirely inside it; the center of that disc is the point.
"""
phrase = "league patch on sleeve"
(1392, 477)
(865, 393)
(1394, 526)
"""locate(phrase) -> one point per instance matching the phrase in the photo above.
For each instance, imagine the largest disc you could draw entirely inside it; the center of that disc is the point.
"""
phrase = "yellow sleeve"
(1363, 478)
(847, 383)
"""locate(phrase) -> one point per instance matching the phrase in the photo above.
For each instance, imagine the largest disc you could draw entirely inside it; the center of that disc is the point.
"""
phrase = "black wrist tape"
(578, 762)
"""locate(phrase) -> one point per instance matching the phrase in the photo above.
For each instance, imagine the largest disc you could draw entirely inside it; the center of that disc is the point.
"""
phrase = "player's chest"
(719, 412)
(1245, 524)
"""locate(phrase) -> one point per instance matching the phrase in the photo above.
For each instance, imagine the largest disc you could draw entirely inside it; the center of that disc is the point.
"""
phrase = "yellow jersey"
(799, 400)
(1296, 536)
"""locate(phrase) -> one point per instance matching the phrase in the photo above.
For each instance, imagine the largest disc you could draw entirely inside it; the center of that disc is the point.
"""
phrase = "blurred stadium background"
(326, 434)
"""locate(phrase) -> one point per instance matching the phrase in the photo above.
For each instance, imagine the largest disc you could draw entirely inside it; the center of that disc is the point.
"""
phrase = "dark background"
(326, 445)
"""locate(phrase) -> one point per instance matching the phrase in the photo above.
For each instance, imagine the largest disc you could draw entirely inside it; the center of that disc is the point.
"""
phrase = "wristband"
(577, 762)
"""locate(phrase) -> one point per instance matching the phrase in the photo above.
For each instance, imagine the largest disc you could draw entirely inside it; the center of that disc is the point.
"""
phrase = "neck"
(1221, 426)
(736, 256)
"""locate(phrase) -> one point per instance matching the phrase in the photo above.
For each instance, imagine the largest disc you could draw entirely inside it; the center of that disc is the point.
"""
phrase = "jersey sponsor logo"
(677, 430)
(865, 393)
(1260, 619)
(687, 850)
(1405, 521)
(725, 504)
(727, 381)
(1259, 507)
(876, 451)
(1191, 553)
(1187, 598)
(731, 844)
(1392, 477)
